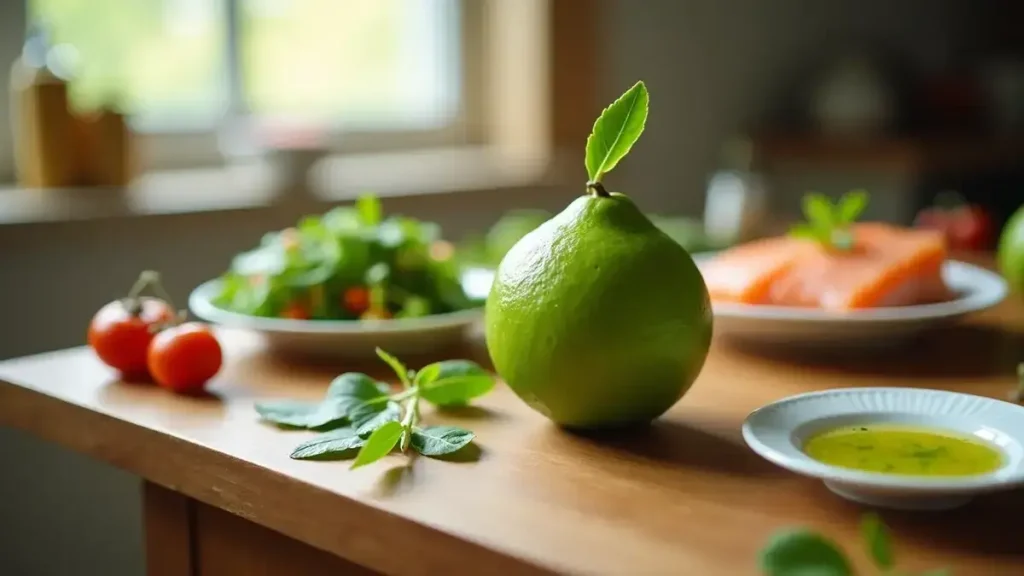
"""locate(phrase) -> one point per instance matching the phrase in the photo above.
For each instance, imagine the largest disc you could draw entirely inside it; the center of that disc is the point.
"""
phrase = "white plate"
(778, 431)
(346, 339)
(978, 289)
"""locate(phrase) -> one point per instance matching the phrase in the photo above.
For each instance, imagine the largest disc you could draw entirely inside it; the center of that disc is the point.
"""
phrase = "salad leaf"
(369, 209)
(323, 267)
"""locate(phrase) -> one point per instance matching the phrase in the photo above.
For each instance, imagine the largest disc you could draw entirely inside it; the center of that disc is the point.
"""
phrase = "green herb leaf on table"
(876, 539)
(298, 414)
(453, 382)
(365, 423)
(364, 414)
(379, 444)
(616, 130)
(396, 365)
(440, 440)
(357, 385)
(335, 445)
(802, 552)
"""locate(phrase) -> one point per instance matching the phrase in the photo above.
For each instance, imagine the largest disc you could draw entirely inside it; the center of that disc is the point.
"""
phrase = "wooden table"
(683, 497)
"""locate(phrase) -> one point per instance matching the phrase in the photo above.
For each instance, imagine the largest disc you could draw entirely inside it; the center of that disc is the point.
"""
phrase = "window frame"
(229, 139)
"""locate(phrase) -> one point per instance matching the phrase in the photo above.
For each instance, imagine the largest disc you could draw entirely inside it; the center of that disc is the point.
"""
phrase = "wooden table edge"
(363, 534)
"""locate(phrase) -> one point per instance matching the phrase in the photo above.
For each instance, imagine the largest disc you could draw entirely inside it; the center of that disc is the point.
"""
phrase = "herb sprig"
(365, 420)
(828, 223)
(802, 552)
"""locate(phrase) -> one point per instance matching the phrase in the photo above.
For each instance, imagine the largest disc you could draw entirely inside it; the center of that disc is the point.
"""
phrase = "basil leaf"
(616, 130)
(290, 413)
(396, 365)
(850, 207)
(818, 210)
(297, 414)
(440, 440)
(802, 552)
(367, 422)
(453, 382)
(335, 445)
(356, 385)
(379, 444)
(876, 539)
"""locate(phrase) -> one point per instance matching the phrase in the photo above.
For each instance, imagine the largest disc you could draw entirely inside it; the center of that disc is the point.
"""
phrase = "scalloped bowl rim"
(780, 446)
(981, 289)
(200, 301)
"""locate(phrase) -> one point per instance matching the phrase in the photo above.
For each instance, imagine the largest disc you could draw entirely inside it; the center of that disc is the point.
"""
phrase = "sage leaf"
(395, 364)
(379, 444)
(850, 207)
(803, 553)
(339, 444)
(290, 413)
(368, 422)
(356, 385)
(876, 539)
(440, 440)
(616, 130)
(453, 382)
(297, 414)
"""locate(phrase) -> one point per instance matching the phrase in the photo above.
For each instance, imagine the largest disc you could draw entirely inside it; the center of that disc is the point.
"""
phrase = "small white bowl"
(341, 339)
(978, 290)
(779, 430)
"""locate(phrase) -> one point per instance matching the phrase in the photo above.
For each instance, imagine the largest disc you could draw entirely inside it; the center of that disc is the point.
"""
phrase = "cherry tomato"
(295, 311)
(184, 358)
(966, 227)
(121, 331)
(357, 299)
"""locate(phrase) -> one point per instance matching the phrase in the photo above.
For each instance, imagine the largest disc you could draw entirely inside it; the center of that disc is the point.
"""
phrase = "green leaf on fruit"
(616, 130)
(340, 444)
(440, 440)
(379, 444)
(876, 540)
(802, 552)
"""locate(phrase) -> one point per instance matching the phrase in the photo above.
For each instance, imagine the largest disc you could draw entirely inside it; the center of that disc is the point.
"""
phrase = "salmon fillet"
(887, 266)
(746, 273)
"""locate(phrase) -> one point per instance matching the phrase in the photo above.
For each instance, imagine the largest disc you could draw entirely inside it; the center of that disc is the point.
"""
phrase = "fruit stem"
(598, 189)
(412, 416)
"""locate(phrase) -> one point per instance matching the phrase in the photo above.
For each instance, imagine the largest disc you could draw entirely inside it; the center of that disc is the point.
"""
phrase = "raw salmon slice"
(745, 274)
(888, 266)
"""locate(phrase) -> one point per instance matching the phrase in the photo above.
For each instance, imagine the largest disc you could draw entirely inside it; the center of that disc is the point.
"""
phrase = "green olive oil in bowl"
(894, 449)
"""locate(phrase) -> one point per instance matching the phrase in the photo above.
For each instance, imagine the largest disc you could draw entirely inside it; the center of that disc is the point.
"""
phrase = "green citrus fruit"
(597, 318)
(1011, 251)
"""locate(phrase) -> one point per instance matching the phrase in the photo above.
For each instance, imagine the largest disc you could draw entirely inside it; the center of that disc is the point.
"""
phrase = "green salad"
(351, 263)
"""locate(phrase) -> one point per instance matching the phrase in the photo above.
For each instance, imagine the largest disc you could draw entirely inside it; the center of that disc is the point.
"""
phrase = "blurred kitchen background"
(194, 126)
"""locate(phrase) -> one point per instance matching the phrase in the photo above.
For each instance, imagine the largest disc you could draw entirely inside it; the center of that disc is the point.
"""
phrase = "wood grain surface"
(683, 497)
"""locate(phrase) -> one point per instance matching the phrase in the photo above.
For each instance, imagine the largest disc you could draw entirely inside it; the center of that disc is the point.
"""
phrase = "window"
(380, 74)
